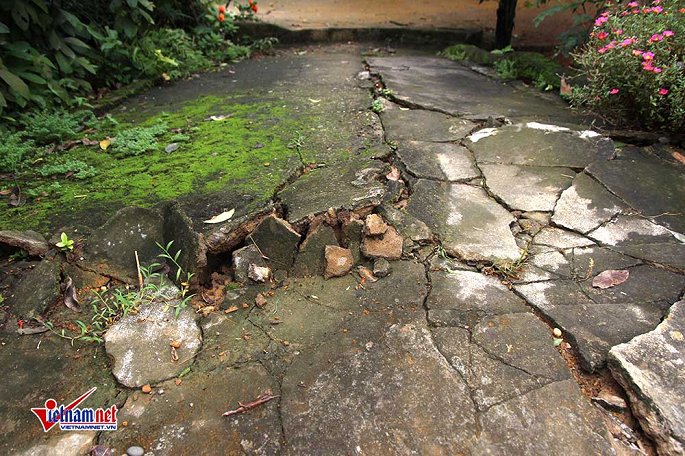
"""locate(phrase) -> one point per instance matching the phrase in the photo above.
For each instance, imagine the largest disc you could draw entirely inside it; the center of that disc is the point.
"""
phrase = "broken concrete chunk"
(610, 401)
(111, 247)
(374, 225)
(441, 161)
(39, 288)
(339, 261)
(259, 274)
(243, 258)
(650, 369)
(277, 240)
(389, 245)
(423, 125)
(310, 259)
(34, 244)
(139, 344)
(381, 267)
(353, 232)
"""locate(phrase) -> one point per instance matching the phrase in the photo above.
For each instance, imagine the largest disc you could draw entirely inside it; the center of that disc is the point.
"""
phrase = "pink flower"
(656, 70)
(635, 11)
(663, 91)
(668, 33)
(602, 35)
(654, 38)
(600, 20)
(618, 32)
(648, 55)
(657, 9)
(613, 91)
(637, 52)
(647, 66)
(627, 42)
(624, 13)
(602, 50)
(632, 4)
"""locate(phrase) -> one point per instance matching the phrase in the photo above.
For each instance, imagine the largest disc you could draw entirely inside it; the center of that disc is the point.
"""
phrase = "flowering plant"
(634, 65)
(245, 11)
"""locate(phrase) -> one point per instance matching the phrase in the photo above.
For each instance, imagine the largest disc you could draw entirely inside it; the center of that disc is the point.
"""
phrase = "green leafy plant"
(182, 277)
(377, 106)
(506, 69)
(54, 126)
(633, 65)
(65, 244)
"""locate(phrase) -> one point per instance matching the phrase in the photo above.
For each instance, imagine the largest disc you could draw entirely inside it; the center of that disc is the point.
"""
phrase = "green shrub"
(47, 127)
(137, 141)
(14, 149)
(633, 64)
(79, 169)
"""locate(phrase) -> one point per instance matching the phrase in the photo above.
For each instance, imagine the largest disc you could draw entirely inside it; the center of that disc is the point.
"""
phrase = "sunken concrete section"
(650, 369)
(470, 224)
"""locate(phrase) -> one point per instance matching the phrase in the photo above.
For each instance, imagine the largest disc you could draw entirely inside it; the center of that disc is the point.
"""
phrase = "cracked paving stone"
(650, 369)
(440, 161)
(560, 239)
(471, 225)
(402, 124)
(463, 298)
(544, 263)
(442, 85)
(399, 397)
(188, 417)
(596, 320)
(631, 229)
(527, 188)
(350, 185)
(655, 188)
(534, 144)
(512, 354)
(557, 410)
(586, 205)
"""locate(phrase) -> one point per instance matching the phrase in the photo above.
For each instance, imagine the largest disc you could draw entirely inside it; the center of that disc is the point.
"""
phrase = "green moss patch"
(243, 152)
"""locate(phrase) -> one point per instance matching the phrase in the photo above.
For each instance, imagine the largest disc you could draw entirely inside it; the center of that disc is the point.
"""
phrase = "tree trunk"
(506, 11)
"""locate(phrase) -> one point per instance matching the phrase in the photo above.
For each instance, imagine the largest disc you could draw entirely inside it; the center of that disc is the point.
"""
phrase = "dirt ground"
(306, 14)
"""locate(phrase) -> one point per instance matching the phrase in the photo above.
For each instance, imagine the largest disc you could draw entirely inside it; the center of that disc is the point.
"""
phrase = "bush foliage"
(635, 66)
(55, 51)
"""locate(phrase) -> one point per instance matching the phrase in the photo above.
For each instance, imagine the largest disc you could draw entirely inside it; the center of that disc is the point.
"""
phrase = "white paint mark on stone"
(546, 127)
(481, 134)
(587, 134)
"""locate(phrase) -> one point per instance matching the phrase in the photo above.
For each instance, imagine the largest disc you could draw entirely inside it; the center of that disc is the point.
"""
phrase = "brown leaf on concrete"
(610, 278)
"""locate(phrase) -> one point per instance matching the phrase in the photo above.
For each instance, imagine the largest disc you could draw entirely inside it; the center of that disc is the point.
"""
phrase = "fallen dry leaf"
(366, 274)
(231, 309)
(70, 299)
(610, 278)
(565, 88)
(105, 143)
(260, 300)
(221, 217)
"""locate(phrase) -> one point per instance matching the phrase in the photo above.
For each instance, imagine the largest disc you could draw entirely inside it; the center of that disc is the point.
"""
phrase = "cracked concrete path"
(507, 210)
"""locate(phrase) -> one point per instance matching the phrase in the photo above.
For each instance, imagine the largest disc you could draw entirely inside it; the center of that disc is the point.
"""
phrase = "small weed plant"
(110, 305)
(634, 66)
(377, 106)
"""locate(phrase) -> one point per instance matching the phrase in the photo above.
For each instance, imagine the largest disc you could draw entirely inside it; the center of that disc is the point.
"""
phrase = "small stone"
(339, 261)
(375, 226)
(387, 246)
(381, 267)
(610, 401)
(135, 451)
(277, 240)
(260, 300)
(242, 260)
(175, 344)
(259, 274)
(556, 332)
(147, 389)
